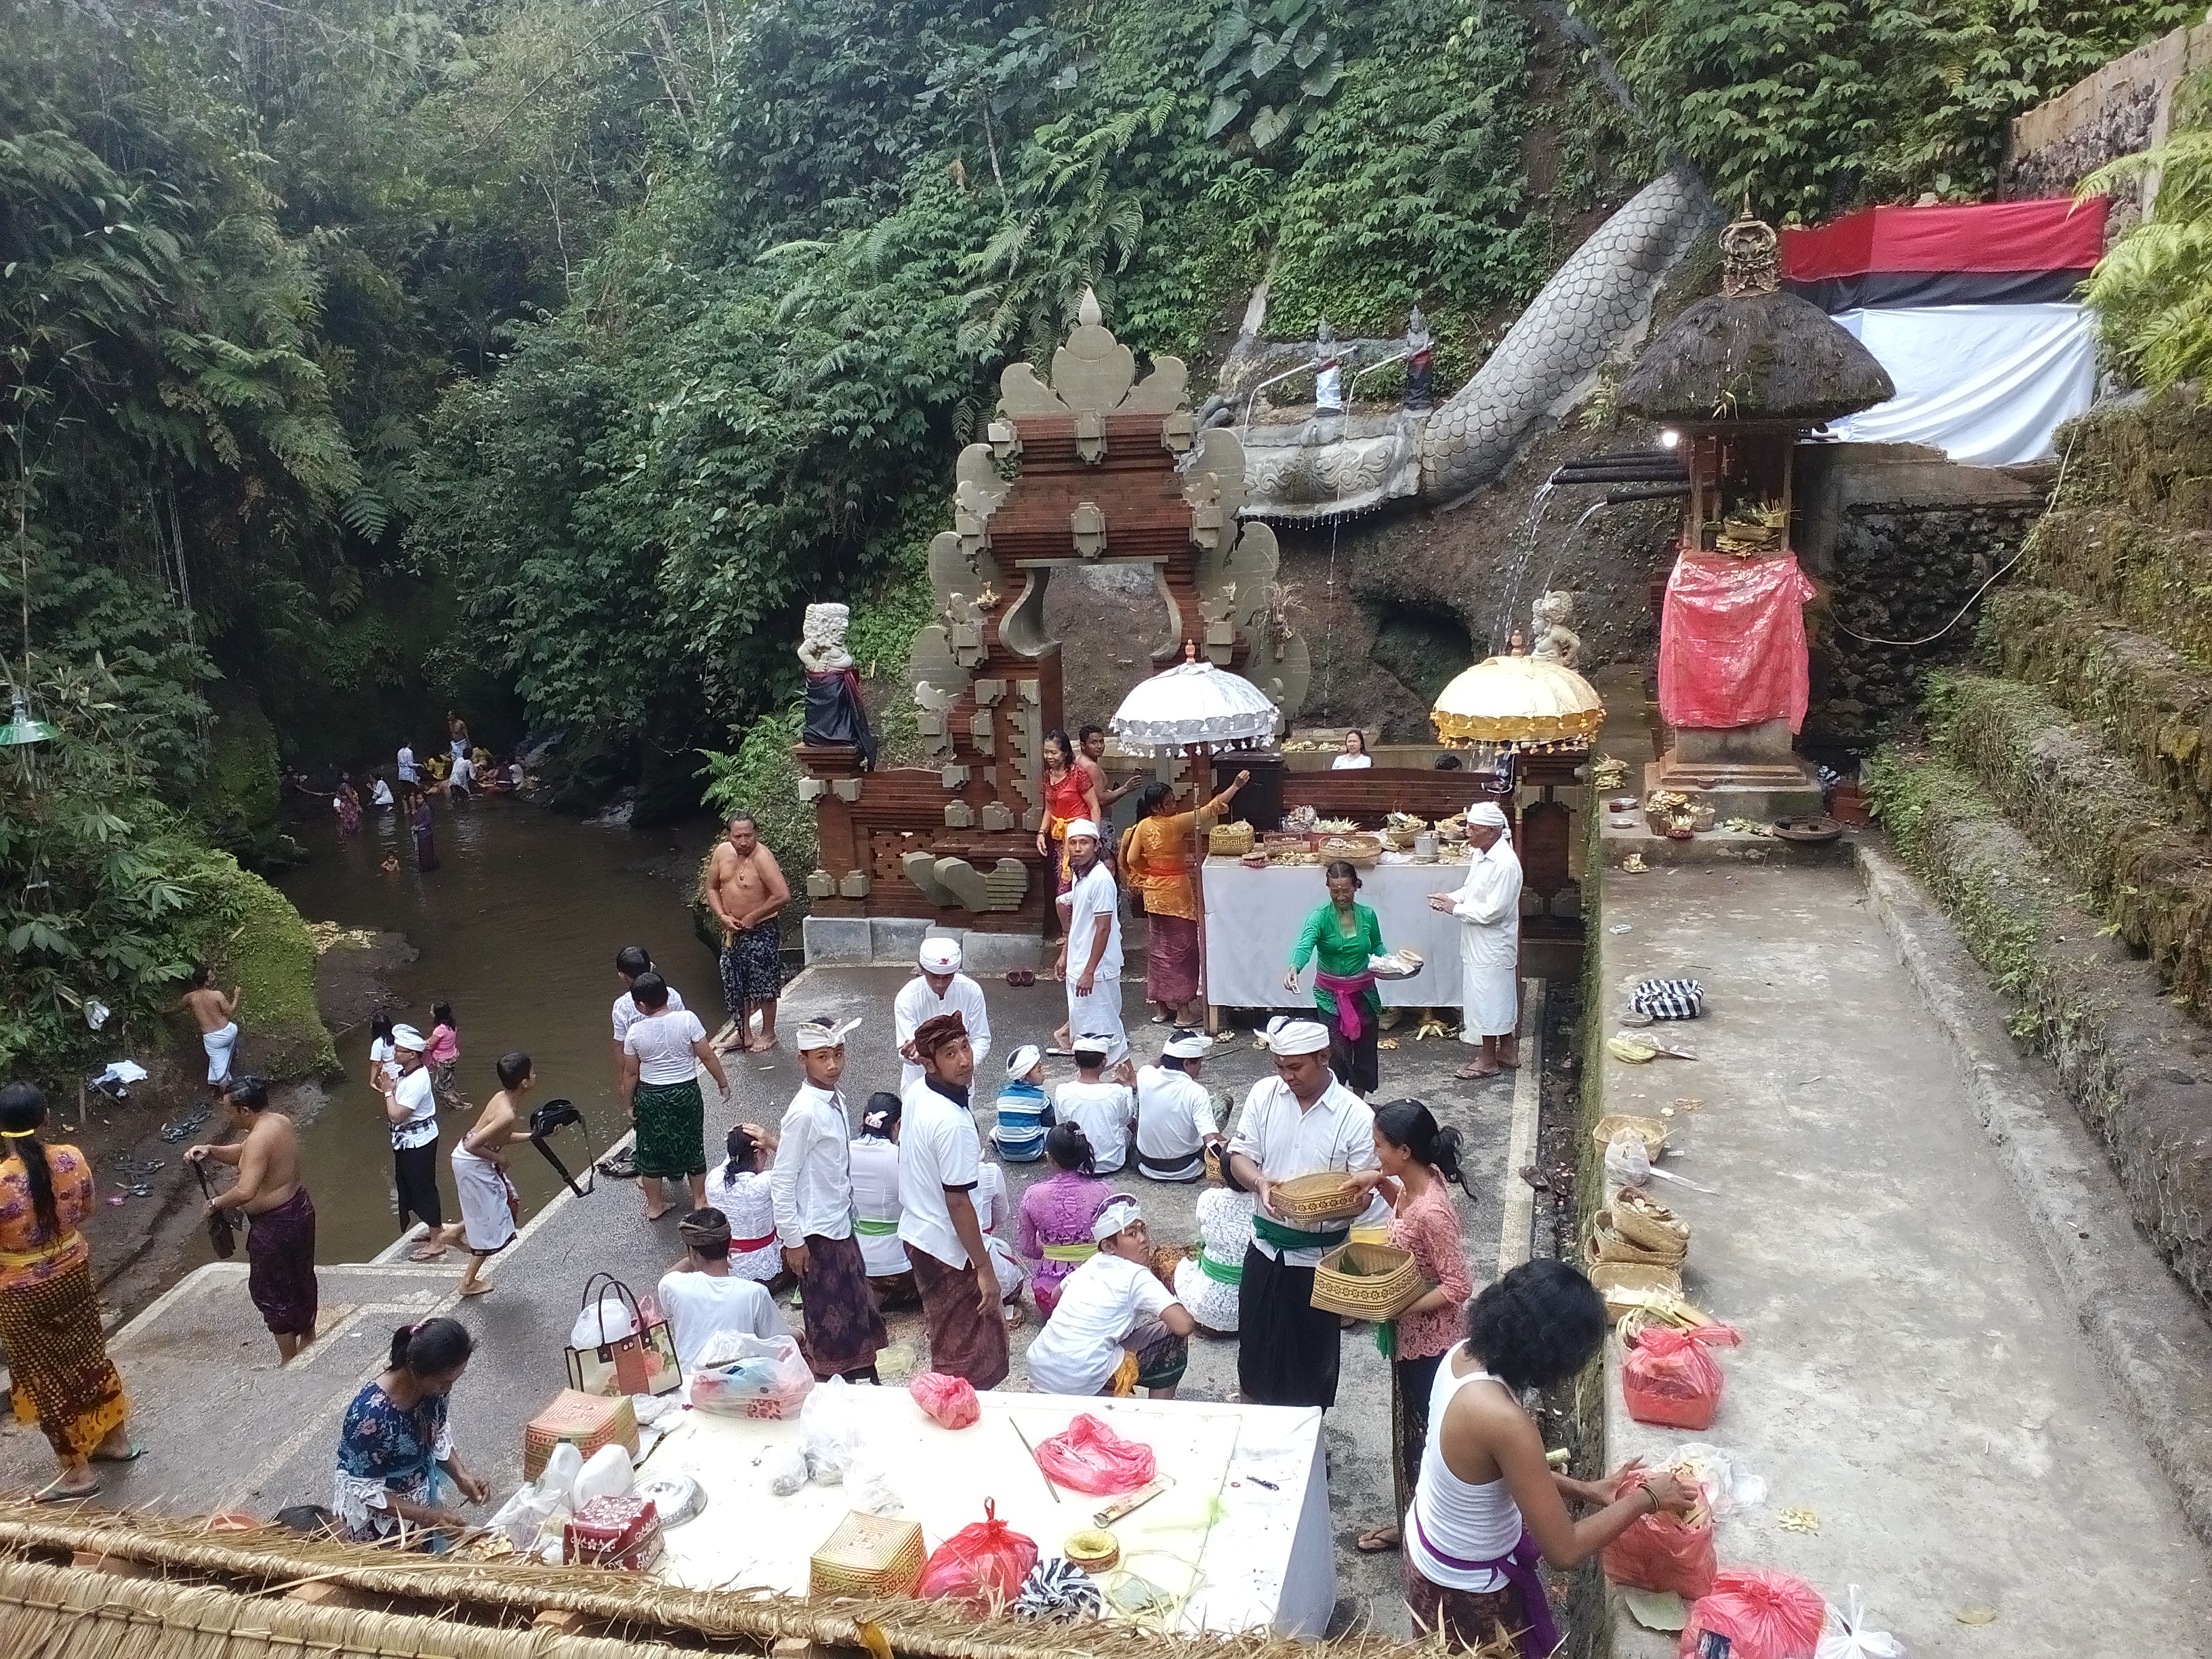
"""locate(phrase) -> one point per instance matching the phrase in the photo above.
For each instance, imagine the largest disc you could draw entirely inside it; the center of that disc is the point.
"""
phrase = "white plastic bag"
(828, 1431)
(787, 1468)
(754, 1378)
(598, 1323)
(563, 1464)
(1627, 1160)
(1847, 1637)
(868, 1485)
(1726, 1479)
(521, 1518)
(606, 1473)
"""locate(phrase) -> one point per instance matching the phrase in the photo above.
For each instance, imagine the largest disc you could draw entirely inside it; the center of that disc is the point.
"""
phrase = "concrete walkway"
(1911, 1374)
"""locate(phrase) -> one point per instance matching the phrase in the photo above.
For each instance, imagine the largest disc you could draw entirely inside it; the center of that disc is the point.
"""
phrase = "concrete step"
(2105, 831)
(2150, 702)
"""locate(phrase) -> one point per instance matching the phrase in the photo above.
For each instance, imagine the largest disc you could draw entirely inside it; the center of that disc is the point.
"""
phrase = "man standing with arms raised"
(813, 1187)
(1090, 949)
(939, 989)
(940, 1164)
(746, 891)
(280, 1237)
(1299, 1121)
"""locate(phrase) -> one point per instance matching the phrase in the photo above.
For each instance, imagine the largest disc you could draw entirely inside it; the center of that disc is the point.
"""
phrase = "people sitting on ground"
(741, 1188)
(1103, 1104)
(436, 767)
(1024, 1112)
(1487, 1502)
(939, 989)
(1057, 1214)
(876, 1202)
(396, 1450)
(490, 1206)
(701, 1297)
(992, 1211)
(280, 1238)
(1174, 1114)
(1116, 1328)
(1210, 1283)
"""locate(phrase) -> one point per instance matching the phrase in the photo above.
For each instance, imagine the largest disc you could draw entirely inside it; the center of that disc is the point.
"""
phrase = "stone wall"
(2125, 107)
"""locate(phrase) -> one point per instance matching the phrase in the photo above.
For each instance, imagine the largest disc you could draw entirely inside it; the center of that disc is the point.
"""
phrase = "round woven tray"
(1325, 1195)
(1604, 1244)
(1646, 1222)
(1650, 1130)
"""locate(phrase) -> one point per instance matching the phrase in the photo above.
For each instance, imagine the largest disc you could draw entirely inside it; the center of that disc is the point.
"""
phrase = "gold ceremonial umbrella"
(1517, 700)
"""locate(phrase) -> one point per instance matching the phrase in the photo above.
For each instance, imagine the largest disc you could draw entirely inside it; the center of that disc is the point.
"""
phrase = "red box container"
(613, 1532)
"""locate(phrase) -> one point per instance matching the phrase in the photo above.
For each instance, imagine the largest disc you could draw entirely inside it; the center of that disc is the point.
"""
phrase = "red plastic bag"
(1663, 1551)
(950, 1400)
(1091, 1457)
(1764, 1616)
(1732, 641)
(1670, 1380)
(984, 1563)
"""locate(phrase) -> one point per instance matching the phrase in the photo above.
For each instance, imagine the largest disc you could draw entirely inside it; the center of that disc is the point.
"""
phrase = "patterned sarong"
(57, 1360)
(1170, 959)
(964, 1340)
(753, 966)
(671, 1128)
(280, 1255)
(844, 1328)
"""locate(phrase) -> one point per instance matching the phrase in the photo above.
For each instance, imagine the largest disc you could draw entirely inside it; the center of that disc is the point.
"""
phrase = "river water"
(518, 929)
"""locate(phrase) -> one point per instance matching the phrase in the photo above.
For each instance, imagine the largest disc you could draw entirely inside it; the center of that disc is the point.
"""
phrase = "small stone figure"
(1516, 643)
(1554, 639)
(1420, 364)
(835, 713)
(1328, 371)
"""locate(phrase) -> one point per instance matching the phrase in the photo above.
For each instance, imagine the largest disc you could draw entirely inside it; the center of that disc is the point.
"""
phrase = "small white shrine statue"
(821, 638)
(1554, 639)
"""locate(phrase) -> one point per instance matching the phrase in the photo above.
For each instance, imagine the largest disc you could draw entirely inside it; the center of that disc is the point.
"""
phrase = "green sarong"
(671, 1128)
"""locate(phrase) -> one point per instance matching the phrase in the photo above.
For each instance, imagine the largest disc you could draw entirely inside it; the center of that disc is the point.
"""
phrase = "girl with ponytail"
(396, 1454)
(1057, 1213)
(49, 1309)
(1419, 1160)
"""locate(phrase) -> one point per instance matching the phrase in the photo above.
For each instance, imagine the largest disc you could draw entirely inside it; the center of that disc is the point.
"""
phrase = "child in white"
(1104, 1109)
(1115, 1328)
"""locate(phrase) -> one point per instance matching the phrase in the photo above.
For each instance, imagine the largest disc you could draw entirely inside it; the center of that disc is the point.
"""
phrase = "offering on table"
(613, 1532)
(868, 1556)
(585, 1421)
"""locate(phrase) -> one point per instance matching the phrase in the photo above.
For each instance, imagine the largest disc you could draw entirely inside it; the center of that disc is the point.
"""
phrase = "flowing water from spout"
(1524, 554)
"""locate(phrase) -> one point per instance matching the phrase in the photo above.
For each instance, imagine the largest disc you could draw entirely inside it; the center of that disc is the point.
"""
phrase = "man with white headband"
(1116, 1328)
(1174, 1114)
(812, 1185)
(1090, 949)
(1300, 1121)
(410, 1108)
(1488, 904)
(939, 989)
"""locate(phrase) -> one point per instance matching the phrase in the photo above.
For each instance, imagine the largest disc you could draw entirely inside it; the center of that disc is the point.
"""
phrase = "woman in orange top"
(49, 1307)
(1069, 795)
(1157, 856)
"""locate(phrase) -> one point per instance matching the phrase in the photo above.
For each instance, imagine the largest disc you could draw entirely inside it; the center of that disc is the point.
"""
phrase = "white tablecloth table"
(1253, 918)
(1266, 1562)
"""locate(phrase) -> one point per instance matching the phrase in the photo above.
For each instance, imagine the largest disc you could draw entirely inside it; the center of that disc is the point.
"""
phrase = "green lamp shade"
(22, 728)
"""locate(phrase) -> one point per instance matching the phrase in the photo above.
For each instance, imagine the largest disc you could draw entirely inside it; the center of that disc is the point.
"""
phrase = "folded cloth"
(1669, 999)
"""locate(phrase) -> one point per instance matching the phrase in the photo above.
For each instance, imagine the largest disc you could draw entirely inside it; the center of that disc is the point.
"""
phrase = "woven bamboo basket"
(1619, 1282)
(1359, 849)
(585, 1421)
(1325, 1195)
(1643, 1221)
(1228, 841)
(1094, 1549)
(867, 1556)
(1605, 1244)
(1367, 1281)
(1651, 1131)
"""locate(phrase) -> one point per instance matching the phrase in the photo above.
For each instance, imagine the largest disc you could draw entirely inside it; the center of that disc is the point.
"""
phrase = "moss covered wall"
(259, 944)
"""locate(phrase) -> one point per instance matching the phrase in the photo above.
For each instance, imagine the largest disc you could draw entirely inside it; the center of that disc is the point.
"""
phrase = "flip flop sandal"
(130, 1456)
(621, 1166)
(55, 1493)
(1377, 1546)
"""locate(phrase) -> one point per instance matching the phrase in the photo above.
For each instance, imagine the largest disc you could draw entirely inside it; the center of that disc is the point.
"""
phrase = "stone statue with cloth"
(835, 713)
(1489, 904)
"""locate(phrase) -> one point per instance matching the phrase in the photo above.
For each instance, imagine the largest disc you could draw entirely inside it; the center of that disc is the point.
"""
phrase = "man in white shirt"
(939, 989)
(941, 1165)
(1299, 1121)
(410, 1107)
(1090, 952)
(1488, 904)
(408, 772)
(1104, 1107)
(463, 778)
(630, 962)
(811, 1183)
(702, 1299)
(1115, 1328)
(1174, 1114)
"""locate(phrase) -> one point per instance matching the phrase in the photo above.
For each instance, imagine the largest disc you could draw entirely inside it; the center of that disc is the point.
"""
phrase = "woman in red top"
(49, 1309)
(1069, 795)
(1418, 1161)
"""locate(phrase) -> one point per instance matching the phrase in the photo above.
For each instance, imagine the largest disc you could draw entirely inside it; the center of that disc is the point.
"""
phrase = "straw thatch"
(228, 1590)
(1754, 357)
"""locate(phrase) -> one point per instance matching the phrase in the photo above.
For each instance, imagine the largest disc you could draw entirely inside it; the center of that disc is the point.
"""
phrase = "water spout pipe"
(1646, 474)
(1655, 493)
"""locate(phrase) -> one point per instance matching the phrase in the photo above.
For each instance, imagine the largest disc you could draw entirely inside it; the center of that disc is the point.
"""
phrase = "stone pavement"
(224, 1424)
(1911, 1373)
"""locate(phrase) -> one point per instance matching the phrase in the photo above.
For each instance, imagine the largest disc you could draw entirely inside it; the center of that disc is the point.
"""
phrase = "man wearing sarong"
(811, 1184)
(1299, 1121)
(939, 989)
(941, 1165)
(215, 1011)
(1488, 904)
(280, 1232)
(662, 1054)
(1116, 1328)
(746, 891)
(1090, 951)
(1157, 856)
(489, 1203)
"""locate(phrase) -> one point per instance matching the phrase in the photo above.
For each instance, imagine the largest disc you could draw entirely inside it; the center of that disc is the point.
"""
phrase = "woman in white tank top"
(1487, 1504)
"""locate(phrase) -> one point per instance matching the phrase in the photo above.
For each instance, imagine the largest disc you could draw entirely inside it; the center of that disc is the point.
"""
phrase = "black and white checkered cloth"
(1669, 999)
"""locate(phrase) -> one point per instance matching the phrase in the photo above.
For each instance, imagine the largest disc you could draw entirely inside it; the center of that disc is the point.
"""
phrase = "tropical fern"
(2152, 292)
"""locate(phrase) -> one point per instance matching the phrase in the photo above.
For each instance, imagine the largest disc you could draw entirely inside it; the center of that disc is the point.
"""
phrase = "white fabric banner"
(1987, 385)
(1253, 918)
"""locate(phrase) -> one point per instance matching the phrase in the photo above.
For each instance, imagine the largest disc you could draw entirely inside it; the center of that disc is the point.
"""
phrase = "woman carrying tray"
(1340, 937)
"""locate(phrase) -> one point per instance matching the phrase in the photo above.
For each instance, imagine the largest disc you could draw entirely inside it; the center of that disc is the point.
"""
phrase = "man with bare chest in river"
(746, 891)
(280, 1239)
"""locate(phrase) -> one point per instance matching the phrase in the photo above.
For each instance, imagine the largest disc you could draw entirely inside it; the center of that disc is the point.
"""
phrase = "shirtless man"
(1090, 756)
(215, 1011)
(280, 1239)
(746, 891)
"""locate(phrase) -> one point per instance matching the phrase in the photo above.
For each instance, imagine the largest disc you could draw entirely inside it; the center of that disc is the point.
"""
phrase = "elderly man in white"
(939, 989)
(1488, 905)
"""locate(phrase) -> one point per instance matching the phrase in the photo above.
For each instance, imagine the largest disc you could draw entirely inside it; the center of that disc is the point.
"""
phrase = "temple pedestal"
(1743, 772)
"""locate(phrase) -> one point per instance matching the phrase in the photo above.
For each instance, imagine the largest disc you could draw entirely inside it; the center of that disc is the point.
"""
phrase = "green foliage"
(762, 778)
(2152, 292)
(1812, 106)
(1273, 66)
